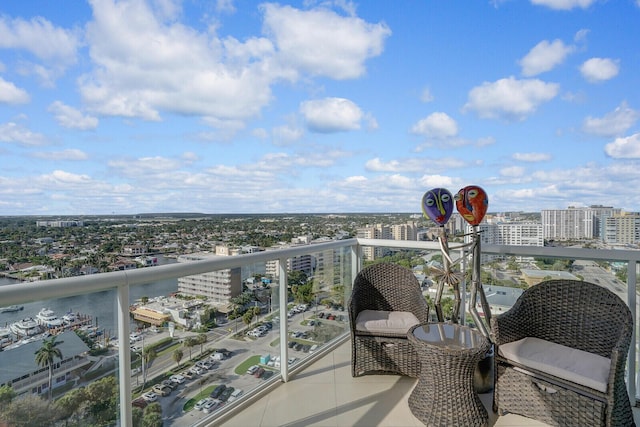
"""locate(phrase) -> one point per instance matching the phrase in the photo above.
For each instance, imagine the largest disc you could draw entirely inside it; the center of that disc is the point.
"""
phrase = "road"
(592, 272)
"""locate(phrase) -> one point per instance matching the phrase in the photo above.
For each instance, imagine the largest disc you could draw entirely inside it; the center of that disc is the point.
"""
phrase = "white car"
(252, 369)
(197, 370)
(200, 404)
(150, 396)
(177, 378)
(236, 394)
(210, 406)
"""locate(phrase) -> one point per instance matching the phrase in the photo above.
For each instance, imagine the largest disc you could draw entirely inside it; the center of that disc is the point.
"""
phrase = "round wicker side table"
(444, 394)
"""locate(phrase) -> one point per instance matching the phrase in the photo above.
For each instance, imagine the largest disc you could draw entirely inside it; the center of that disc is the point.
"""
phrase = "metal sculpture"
(437, 205)
(472, 203)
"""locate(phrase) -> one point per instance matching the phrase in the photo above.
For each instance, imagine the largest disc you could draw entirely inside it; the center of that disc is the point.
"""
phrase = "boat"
(26, 327)
(11, 308)
(69, 317)
(46, 317)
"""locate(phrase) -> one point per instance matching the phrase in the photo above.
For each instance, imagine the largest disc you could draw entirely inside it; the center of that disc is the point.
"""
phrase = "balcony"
(318, 387)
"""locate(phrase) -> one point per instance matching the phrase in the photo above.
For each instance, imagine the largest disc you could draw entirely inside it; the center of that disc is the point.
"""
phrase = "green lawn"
(241, 369)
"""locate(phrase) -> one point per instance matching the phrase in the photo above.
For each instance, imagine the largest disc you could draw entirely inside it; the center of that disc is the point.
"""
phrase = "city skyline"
(250, 107)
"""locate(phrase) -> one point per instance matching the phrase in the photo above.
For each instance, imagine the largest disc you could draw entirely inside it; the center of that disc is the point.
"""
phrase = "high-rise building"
(217, 286)
(568, 224)
(622, 229)
(377, 231)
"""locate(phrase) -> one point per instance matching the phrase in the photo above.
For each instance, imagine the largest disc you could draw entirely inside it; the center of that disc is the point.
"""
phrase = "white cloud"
(69, 154)
(510, 98)
(512, 171)
(286, 134)
(564, 4)
(426, 95)
(624, 148)
(71, 118)
(544, 57)
(434, 181)
(331, 115)
(436, 125)
(321, 42)
(39, 37)
(614, 123)
(10, 94)
(415, 164)
(14, 132)
(531, 157)
(599, 69)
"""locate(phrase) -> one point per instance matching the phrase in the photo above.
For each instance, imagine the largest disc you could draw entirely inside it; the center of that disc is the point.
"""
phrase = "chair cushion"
(577, 366)
(389, 322)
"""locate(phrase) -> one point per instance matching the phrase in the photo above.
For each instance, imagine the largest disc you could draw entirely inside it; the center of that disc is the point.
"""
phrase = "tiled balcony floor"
(325, 395)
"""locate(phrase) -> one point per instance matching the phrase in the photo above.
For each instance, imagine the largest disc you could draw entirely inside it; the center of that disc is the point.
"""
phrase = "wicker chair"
(594, 325)
(385, 303)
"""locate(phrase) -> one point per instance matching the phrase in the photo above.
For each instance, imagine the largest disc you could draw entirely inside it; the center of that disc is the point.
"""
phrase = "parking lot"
(215, 371)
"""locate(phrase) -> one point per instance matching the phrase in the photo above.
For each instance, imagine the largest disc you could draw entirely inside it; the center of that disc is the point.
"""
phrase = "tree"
(7, 394)
(189, 342)
(148, 354)
(201, 339)
(45, 356)
(28, 411)
(177, 356)
(70, 404)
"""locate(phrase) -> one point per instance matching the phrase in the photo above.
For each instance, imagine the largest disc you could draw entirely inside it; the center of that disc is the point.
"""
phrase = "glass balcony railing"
(109, 363)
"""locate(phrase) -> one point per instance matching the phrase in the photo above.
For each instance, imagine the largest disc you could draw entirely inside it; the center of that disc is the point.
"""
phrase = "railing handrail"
(123, 280)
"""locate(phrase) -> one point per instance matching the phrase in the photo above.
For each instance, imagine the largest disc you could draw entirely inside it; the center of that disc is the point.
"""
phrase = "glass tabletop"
(449, 335)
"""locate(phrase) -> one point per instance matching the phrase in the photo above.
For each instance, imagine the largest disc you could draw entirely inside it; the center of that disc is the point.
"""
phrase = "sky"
(138, 106)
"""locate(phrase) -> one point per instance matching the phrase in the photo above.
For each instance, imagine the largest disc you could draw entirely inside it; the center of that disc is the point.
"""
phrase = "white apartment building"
(568, 224)
(508, 233)
(217, 286)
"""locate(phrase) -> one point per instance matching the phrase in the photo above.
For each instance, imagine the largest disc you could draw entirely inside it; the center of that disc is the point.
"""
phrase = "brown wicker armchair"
(561, 352)
(385, 303)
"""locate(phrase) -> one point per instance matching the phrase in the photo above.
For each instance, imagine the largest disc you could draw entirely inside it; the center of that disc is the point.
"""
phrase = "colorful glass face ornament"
(472, 203)
(437, 204)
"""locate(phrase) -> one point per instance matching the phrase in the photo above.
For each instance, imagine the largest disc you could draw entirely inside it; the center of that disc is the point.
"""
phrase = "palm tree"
(148, 355)
(177, 356)
(189, 342)
(201, 339)
(45, 356)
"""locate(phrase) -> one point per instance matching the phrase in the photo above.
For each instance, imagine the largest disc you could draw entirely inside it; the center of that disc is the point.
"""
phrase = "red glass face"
(472, 203)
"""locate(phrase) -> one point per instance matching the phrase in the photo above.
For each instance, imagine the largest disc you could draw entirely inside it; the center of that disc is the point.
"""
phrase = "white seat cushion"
(580, 367)
(390, 322)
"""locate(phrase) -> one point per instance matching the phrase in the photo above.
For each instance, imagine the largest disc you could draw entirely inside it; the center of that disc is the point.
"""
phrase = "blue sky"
(317, 106)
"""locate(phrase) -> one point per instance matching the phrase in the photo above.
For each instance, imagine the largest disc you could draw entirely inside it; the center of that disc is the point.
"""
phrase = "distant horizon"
(316, 106)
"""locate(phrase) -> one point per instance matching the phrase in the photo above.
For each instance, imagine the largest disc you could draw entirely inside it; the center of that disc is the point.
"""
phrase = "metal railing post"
(124, 355)
(284, 327)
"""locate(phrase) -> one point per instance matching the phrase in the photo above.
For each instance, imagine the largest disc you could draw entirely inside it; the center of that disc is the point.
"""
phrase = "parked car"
(226, 393)
(162, 390)
(258, 373)
(268, 373)
(177, 378)
(172, 385)
(236, 394)
(187, 375)
(252, 369)
(140, 402)
(210, 406)
(150, 396)
(218, 391)
(200, 404)
(197, 370)
(313, 348)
